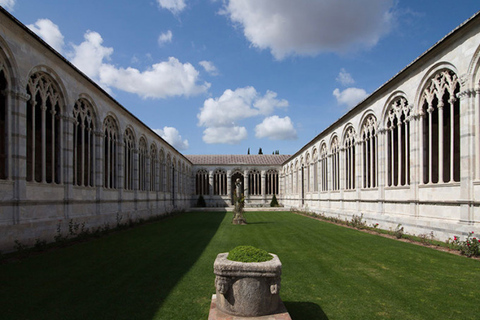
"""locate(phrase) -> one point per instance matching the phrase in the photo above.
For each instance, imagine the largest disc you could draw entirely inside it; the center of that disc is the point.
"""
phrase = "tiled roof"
(253, 159)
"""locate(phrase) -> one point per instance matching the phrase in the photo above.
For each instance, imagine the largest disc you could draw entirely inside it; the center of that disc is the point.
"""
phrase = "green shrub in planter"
(201, 202)
(249, 254)
(274, 202)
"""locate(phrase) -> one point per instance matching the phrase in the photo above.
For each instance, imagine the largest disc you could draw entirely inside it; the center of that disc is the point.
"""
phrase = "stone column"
(17, 147)
(229, 186)
(381, 168)
(263, 190)
(99, 177)
(68, 125)
(246, 192)
(467, 151)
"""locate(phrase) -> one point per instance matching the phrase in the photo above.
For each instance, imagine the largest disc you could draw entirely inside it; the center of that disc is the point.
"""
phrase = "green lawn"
(164, 270)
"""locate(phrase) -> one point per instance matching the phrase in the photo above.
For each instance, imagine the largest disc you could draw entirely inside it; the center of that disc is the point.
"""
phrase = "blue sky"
(222, 76)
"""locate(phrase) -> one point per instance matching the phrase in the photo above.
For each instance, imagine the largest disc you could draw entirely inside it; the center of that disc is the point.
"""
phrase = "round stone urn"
(247, 289)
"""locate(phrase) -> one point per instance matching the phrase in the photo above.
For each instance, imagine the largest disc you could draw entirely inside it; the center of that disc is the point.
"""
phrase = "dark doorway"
(234, 177)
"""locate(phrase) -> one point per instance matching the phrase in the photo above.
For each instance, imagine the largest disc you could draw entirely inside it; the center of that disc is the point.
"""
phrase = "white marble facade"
(409, 154)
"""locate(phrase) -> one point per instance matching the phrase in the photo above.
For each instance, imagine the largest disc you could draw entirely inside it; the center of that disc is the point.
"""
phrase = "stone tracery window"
(3, 124)
(398, 143)
(314, 164)
(254, 183)
(349, 146)
(271, 182)
(324, 167)
(168, 174)
(440, 123)
(128, 163)
(308, 175)
(44, 127)
(142, 164)
(161, 174)
(110, 153)
(220, 182)
(335, 155)
(369, 152)
(153, 167)
(84, 144)
(202, 185)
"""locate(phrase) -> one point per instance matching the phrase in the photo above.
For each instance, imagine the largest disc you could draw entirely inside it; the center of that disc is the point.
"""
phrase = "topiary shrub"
(274, 202)
(201, 202)
(249, 254)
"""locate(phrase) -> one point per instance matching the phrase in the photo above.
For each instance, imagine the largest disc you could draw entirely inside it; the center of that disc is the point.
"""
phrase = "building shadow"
(125, 275)
(305, 310)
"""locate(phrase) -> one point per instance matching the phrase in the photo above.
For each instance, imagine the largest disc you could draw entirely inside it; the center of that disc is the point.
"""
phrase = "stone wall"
(354, 164)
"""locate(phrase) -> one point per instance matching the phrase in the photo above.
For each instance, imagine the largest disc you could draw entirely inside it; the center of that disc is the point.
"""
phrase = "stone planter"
(248, 289)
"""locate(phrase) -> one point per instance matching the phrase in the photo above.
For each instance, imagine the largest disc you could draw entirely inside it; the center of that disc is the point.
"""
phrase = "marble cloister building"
(408, 154)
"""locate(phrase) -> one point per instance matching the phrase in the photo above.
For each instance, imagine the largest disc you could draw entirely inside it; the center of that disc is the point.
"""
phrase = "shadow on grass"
(126, 275)
(305, 310)
(260, 222)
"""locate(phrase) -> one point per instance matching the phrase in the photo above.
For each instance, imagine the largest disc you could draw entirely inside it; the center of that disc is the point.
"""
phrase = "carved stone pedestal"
(248, 289)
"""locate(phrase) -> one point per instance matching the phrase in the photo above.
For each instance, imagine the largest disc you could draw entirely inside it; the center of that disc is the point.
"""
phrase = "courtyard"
(164, 270)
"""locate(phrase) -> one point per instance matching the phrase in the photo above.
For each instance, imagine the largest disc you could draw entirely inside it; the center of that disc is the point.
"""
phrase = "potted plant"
(247, 282)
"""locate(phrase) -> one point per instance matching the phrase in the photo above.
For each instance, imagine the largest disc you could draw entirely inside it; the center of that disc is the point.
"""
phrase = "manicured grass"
(164, 270)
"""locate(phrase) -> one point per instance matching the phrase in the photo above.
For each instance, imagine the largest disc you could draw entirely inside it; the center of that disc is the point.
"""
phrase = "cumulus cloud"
(276, 128)
(165, 37)
(7, 4)
(236, 105)
(226, 135)
(209, 67)
(345, 78)
(48, 31)
(160, 80)
(89, 56)
(172, 136)
(306, 27)
(350, 97)
(174, 6)
(221, 114)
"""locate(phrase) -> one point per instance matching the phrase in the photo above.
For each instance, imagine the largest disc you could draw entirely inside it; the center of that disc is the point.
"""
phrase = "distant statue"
(238, 217)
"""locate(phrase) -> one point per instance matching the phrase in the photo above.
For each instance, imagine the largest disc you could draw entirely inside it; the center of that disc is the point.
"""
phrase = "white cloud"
(89, 56)
(276, 128)
(345, 78)
(220, 115)
(172, 136)
(268, 102)
(236, 105)
(49, 32)
(306, 27)
(161, 80)
(7, 4)
(175, 6)
(350, 97)
(165, 37)
(209, 67)
(227, 135)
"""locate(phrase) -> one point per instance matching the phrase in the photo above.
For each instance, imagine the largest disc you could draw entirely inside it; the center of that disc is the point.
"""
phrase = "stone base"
(240, 221)
(216, 314)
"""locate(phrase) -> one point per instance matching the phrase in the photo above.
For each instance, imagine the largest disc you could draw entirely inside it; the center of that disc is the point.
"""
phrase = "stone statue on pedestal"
(238, 217)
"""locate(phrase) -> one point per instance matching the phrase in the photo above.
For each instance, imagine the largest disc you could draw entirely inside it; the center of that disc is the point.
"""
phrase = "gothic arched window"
(128, 164)
(83, 144)
(44, 128)
(369, 152)
(110, 153)
(398, 143)
(441, 129)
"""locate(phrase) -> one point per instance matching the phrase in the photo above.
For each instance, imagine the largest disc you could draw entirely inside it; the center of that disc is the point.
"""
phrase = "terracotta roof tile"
(252, 159)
